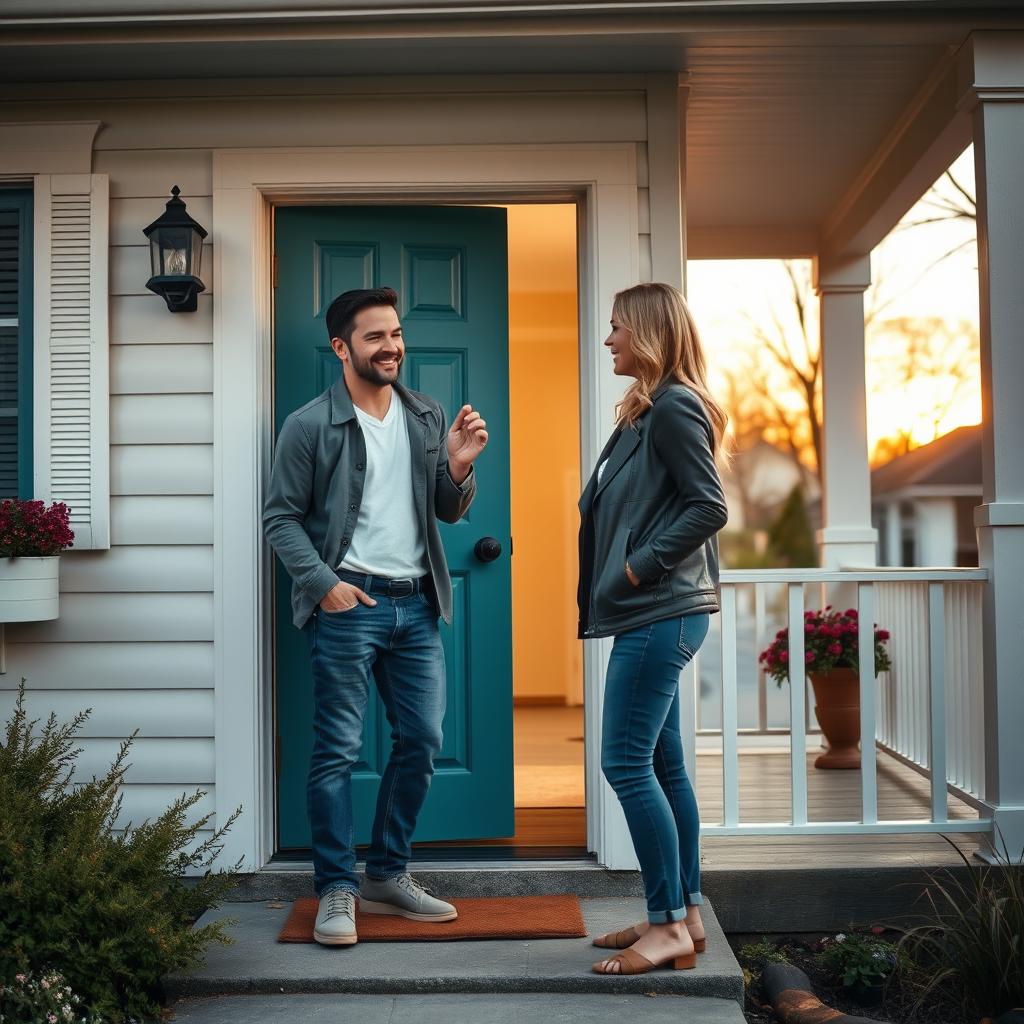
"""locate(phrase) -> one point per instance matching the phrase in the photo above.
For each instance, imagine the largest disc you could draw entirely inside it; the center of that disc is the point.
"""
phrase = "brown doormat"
(506, 917)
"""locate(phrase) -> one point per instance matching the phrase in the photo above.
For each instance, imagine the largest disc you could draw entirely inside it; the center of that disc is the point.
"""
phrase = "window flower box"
(31, 539)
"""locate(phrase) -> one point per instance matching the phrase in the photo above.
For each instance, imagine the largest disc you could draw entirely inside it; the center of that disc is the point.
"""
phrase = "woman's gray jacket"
(659, 505)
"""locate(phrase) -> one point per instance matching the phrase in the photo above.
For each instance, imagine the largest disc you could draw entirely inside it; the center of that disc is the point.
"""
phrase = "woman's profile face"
(620, 344)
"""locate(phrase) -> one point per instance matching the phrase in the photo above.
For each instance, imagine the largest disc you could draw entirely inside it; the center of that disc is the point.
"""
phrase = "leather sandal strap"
(631, 962)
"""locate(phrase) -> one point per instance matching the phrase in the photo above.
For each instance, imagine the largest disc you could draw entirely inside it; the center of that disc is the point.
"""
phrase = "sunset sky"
(724, 294)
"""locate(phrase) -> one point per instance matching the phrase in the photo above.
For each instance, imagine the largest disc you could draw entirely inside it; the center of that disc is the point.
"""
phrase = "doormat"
(505, 917)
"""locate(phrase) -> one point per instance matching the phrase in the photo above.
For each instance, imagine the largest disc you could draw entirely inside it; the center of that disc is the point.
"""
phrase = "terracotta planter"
(837, 697)
(29, 589)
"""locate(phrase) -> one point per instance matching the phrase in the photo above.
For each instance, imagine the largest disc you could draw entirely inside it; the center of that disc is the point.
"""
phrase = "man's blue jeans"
(642, 759)
(398, 644)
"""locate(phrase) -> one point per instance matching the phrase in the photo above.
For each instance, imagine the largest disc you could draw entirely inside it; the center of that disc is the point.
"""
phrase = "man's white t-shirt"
(387, 539)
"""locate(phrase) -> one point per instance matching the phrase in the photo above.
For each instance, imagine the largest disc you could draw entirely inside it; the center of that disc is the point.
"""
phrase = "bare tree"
(793, 352)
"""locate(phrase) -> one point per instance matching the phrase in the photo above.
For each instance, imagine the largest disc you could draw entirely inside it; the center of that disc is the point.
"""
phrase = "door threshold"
(503, 862)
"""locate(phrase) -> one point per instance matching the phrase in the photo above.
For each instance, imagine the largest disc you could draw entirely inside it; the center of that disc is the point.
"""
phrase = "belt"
(383, 585)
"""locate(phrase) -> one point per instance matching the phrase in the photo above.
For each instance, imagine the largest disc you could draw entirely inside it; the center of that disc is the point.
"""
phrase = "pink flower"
(784, 656)
(850, 613)
(809, 656)
(835, 648)
(882, 634)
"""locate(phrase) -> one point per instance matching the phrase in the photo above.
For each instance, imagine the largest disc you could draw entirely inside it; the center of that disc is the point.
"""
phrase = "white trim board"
(246, 186)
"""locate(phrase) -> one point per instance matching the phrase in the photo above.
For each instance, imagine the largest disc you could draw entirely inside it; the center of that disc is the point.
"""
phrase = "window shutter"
(72, 407)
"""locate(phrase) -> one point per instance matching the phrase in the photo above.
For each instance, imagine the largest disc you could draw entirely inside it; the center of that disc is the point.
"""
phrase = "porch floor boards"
(550, 802)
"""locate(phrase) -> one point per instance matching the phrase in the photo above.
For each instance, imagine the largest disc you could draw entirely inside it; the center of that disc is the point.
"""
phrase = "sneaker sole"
(335, 940)
(372, 907)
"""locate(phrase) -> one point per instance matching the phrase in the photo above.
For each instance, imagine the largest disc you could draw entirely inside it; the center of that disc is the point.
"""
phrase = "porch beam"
(847, 537)
(927, 137)
(765, 242)
(995, 101)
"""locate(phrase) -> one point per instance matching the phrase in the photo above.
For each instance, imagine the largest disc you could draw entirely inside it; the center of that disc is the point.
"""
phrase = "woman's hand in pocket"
(631, 576)
(343, 597)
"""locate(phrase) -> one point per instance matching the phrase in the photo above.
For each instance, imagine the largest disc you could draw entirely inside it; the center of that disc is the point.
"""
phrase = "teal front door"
(449, 266)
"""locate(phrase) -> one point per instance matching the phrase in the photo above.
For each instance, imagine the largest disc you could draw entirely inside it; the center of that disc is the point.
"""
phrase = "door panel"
(449, 266)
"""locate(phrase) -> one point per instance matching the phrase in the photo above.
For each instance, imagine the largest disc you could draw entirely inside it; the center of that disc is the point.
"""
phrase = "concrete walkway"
(456, 1009)
(257, 963)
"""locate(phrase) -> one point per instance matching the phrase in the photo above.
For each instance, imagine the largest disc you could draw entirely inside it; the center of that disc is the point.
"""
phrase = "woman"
(649, 577)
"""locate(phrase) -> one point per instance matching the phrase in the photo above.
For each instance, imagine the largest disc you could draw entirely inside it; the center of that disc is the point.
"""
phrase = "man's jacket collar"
(342, 409)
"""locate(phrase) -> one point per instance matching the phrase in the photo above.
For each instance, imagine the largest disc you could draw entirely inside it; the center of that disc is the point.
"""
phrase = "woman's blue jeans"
(397, 644)
(642, 759)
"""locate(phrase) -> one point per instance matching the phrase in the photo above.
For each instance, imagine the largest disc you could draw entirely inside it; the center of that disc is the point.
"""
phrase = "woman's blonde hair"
(666, 347)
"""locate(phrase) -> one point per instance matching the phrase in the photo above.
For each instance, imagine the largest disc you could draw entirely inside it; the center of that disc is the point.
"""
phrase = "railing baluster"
(797, 684)
(762, 678)
(937, 699)
(730, 723)
(866, 656)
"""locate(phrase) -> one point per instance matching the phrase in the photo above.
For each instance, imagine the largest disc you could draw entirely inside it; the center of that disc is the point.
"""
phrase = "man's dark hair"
(342, 312)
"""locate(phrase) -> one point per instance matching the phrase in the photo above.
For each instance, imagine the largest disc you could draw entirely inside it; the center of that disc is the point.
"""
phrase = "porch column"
(996, 103)
(847, 537)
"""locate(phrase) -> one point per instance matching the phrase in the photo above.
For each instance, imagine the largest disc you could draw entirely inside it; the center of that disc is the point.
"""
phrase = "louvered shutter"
(72, 433)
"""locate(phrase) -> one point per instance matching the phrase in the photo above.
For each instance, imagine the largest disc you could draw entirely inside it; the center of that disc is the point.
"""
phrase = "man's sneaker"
(336, 919)
(403, 897)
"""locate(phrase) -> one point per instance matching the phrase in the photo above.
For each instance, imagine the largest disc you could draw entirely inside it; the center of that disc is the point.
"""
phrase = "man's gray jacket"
(316, 489)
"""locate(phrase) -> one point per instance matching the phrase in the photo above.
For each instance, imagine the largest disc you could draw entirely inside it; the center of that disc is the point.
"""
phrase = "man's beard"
(370, 372)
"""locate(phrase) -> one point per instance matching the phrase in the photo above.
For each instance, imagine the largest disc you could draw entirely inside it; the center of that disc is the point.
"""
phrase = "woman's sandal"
(631, 962)
(620, 940)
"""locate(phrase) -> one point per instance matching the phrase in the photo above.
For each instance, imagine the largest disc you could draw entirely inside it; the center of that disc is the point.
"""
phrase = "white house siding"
(134, 640)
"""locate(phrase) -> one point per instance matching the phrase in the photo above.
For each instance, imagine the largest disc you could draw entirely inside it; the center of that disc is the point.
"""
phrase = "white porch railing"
(925, 712)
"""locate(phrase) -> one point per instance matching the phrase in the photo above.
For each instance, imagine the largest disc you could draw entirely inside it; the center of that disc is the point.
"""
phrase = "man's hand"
(631, 576)
(466, 440)
(343, 597)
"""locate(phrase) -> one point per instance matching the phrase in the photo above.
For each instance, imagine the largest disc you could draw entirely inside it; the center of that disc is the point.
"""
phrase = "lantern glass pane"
(197, 254)
(155, 262)
(175, 246)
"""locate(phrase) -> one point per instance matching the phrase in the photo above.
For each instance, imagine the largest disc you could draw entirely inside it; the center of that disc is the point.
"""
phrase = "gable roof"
(953, 460)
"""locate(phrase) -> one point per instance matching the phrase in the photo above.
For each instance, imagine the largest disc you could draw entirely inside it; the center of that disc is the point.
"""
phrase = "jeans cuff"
(345, 886)
(386, 877)
(694, 899)
(665, 916)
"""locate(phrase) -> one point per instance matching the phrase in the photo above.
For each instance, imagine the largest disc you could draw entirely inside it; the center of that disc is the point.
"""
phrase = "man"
(361, 476)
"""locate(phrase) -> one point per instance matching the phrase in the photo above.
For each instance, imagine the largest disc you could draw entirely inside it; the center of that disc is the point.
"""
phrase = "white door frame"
(246, 185)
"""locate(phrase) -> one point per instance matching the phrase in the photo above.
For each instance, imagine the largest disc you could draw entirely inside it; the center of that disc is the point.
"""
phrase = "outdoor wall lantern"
(176, 251)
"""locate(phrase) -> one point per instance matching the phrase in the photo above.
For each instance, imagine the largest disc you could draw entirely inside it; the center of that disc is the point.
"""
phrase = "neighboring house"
(923, 502)
(758, 482)
(687, 129)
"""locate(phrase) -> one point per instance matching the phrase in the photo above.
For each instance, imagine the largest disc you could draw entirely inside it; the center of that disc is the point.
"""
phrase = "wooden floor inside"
(550, 803)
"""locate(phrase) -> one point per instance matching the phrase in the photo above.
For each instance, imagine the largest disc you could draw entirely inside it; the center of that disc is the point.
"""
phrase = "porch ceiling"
(784, 114)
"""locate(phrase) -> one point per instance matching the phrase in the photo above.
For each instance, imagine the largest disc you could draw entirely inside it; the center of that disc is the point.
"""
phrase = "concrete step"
(456, 1009)
(256, 963)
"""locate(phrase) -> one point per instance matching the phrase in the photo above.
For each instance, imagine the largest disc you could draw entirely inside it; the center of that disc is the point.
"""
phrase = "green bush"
(971, 946)
(856, 960)
(108, 910)
(790, 536)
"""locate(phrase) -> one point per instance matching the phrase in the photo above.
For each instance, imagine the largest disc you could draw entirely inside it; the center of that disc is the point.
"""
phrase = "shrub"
(47, 999)
(29, 528)
(831, 640)
(971, 945)
(108, 910)
(855, 960)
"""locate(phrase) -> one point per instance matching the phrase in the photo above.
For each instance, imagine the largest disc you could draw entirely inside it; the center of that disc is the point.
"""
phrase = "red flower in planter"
(30, 529)
(831, 640)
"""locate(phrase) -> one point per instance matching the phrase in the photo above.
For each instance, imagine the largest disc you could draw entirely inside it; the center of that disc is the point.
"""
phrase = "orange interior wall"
(544, 420)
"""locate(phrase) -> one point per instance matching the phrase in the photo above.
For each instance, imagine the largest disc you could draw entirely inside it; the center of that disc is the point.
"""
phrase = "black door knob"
(487, 549)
